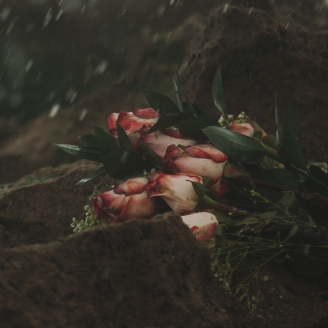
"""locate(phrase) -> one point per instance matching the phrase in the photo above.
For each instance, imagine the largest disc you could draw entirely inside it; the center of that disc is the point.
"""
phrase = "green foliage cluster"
(274, 212)
(91, 219)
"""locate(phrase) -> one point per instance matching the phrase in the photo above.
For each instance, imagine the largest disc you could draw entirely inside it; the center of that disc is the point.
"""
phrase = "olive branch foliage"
(274, 214)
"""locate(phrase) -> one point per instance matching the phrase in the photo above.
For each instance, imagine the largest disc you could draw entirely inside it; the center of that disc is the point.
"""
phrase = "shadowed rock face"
(258, 4)
(135, 274)
(261, 56)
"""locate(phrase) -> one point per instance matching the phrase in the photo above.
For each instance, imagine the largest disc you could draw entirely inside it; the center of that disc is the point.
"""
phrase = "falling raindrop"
(54, 110)
(83, 114)
(28, 65)
(5, 13)
(47, 18)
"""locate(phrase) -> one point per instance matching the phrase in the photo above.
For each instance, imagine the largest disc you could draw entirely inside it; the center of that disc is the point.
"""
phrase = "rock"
(134, 274)
(40, 212)
(261, 56)
(265, 5)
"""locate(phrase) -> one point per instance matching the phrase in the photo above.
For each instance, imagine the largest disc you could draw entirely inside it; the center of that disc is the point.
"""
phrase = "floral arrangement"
(249, 195)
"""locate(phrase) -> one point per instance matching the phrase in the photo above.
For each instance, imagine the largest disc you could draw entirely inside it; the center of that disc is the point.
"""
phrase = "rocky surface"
(262, 54)
(135, 274)
(39, 208)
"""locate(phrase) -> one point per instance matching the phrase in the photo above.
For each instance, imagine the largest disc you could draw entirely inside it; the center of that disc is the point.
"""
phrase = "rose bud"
(218, 189)
(176, 190)
(243, 128)
(202, 225)
(160, 140)
(205, 160)
(244, 125)
(126, 201)
(133, 121)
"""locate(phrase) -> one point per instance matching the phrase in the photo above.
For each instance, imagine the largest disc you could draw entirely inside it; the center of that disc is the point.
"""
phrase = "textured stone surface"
(260, 56)
(135, 274)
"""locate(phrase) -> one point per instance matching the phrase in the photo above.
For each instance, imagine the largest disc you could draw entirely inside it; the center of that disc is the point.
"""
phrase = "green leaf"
(236, 146)
(196, 109)
(179, 102)
(199, 189)
(291, 148)
(313, 187)
(217, 91)
(85, 153)
(221, 216)
(277, 139)
(123, 162)
(192, 128)
(276, 112)
(189, 109)
(167, 121)
(161, 103)
(88, 140)
(245, 221)
(207, 182)
(278, 177)
(318, 173)
(91, 176)
(152, 157)
(105, 141)
(124, 139)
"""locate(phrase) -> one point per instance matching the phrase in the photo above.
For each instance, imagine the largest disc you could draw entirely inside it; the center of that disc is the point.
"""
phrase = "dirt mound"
(261, 55)
(135, 274)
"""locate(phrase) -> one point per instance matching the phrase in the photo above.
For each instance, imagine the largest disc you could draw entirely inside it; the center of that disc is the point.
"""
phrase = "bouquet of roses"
(227, 178)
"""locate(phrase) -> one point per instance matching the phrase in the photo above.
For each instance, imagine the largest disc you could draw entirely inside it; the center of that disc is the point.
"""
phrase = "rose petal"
(206, 151)
(174, 133)
(176, 190)
(219, 189)
(109, 204)
(112, 118)
(199, 219)
(146, 113)
(159, 141)
(206, 232)
(131, 186)
(138, 207)
(197, 159)
(242, 128)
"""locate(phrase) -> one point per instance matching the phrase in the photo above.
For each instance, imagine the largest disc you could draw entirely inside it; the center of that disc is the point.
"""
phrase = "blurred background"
(53, 52)
(65, 64)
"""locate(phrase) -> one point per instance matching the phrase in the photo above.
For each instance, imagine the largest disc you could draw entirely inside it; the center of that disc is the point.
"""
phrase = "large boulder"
(261, 55)
(135, 274)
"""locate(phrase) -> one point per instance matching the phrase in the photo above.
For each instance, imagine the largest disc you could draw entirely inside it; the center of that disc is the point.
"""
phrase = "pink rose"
(243, 128)
(133, 121)
(218, 189)
(202, 225)
(176, 190)
(205, 160)
(125, 202)
(160, 140)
